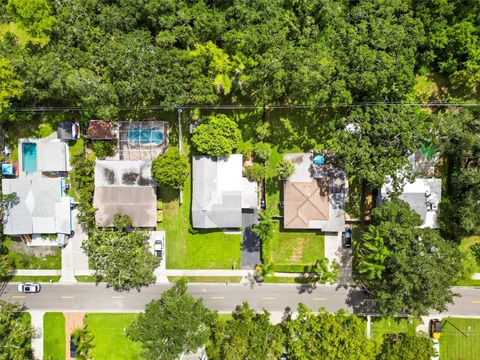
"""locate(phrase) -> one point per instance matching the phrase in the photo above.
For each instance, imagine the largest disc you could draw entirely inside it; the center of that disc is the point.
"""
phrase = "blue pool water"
(29, 157)
(138, 136)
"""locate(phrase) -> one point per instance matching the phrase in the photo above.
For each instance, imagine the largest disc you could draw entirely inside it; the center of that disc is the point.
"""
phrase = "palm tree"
(83, 339)
(371, 253)
(264, 229)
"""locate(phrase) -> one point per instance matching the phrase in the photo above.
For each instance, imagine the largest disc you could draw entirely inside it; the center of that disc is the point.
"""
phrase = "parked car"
(435, 328)
(347, 238)
(29, 287)
(73, 348)
(158, 248)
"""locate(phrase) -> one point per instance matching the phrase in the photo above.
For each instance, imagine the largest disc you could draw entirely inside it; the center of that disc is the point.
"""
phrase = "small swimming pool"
(137, 136)
(29, 157)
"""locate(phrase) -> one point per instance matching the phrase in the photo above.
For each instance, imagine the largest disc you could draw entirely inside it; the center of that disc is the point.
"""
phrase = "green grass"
(454, 345)
(465, 245)
(231, 279)
(387, 325)
(54, 335)
(22, 261)
(284, 280)
(75, 147)
(225, 317)
(469, 282)
(206, 249)
(85, 278)
(34, 278)
(110, 339)
(296, 247)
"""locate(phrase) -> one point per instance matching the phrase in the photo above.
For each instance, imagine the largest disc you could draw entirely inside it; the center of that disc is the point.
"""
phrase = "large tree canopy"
(172, 325)
(419, 267)
(15, 333)
(216, 136)
(121, 256)
(170, 169)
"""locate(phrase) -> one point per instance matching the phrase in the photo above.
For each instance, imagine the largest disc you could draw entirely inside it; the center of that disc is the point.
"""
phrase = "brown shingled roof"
(100, 130)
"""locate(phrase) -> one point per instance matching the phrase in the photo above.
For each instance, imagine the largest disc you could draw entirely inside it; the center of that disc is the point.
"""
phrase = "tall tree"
(15, 334)
(121, 256)
(84, 342)
(420, 268)
(10, 86)
(370, 254)
(249, 336)
(172, 325)
(33, 15)
(170, 169)
(327, 336)
(406, 347)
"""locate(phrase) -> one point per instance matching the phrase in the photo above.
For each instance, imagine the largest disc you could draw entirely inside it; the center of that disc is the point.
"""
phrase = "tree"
(264, 230)
(370, 254)
(84, 342)
(216, 136)
(15, 334)
(382, 141)
(172, 325)
(249, 336)
(170, 169)
(256, 172)
(406, 347)
(262, 151)
(285, 169)
(33, 15)
(121, 256)
(323, 272)
(326, 336)
(10, 86)
(420, 267)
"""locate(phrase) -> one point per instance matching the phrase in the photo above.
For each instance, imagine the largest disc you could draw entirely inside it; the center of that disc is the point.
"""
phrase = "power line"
(47, 109)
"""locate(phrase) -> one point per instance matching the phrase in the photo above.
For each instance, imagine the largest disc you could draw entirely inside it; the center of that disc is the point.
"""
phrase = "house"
(314, 196)
(68, 130)
(424, 193)
(127, 188)
(219, 192)
(100, 130)
(41, 206)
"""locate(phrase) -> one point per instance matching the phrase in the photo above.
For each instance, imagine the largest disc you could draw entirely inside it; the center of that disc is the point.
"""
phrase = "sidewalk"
(36, 272)
(37, 341)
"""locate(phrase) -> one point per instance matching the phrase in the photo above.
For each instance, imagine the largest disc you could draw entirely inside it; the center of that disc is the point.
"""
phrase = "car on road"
(158, 248)
(29, 287)
(435, 328)
(347, 238)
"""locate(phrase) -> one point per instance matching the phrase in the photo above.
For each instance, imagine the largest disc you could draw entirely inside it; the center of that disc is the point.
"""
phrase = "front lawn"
(387, 325)
(54, 335)
(458, 342)
(23, 261)
(296, 247)
(110, 339)
(197, 249)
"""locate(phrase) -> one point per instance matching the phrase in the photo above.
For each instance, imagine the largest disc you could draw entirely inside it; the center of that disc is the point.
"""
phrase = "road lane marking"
(118, 297)
(18, 296)
(218, 297)
(320, 299)
(476, 301)
(68, 297)
(268, 298)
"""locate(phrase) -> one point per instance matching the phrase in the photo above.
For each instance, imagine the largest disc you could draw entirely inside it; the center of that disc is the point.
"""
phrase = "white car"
(158, 248)
(29, 287)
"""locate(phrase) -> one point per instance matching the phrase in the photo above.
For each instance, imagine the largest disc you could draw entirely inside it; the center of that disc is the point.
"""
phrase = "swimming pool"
(29, 157)
(137, 136)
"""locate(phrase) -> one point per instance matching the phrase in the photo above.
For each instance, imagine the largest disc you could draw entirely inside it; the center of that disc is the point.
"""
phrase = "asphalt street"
(216, 296)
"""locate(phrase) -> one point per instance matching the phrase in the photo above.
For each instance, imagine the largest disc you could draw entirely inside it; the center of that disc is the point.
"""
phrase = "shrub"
(255, 172)
(170, 169)
(262, 151)
(476, 252)
(285, 169)
(103, 148)
(217, 136)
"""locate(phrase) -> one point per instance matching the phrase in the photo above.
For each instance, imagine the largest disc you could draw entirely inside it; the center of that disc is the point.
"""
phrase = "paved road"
(220, 297)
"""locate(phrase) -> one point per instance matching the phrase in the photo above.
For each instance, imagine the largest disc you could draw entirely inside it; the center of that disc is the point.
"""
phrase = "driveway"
(250, 243)
(335, 251)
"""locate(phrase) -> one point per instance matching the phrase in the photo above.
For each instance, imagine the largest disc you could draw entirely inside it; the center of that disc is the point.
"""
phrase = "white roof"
(249, 194)
(52, 156)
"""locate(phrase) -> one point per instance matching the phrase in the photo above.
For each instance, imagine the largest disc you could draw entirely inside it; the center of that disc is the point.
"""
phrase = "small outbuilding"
(68, 130)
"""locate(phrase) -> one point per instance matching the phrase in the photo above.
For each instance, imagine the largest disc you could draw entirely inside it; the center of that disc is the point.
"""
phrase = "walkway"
(250, 243)
(74, 257)
(37, 341)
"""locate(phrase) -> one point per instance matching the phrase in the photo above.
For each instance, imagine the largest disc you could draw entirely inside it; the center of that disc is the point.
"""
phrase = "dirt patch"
(37, 251)
(109, 176)
(298, 252)
(73, 320)
(130, 178)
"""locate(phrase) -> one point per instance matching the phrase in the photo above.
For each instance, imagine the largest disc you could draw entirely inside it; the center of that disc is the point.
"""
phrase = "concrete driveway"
(335, 251)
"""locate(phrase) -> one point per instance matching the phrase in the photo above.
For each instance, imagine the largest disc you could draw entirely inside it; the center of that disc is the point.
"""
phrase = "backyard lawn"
(296, 247)
(454, 344)
(54, 335)
(110, 339)
(203, 249)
